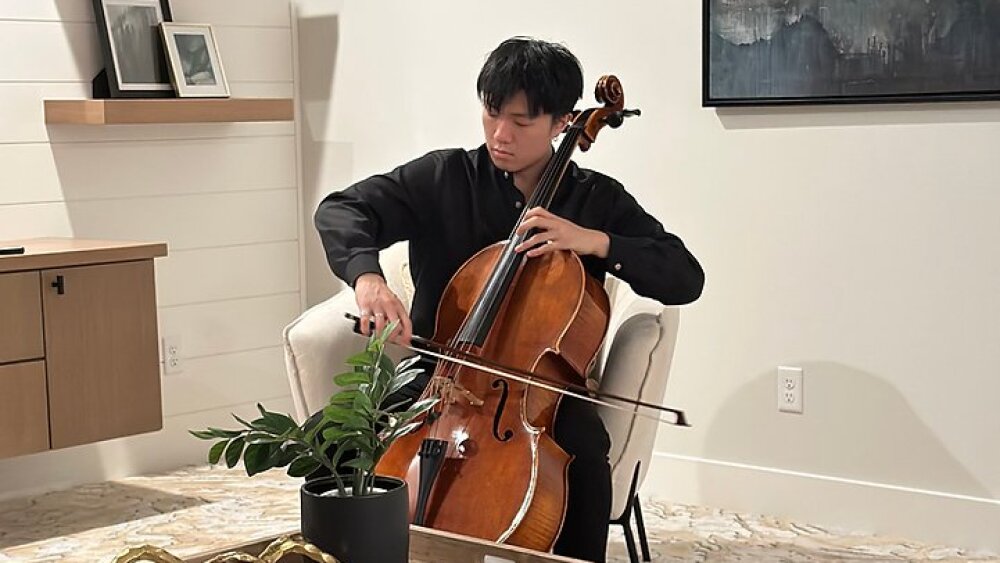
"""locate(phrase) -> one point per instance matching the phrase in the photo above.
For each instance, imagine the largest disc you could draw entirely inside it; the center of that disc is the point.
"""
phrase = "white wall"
(856, 242)
(224, 197)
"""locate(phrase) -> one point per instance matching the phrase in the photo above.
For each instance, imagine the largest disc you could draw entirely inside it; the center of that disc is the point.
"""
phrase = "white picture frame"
(194, 61)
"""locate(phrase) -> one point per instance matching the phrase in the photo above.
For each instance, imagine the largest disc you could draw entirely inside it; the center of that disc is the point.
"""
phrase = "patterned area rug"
(203, 508)
(693, 533)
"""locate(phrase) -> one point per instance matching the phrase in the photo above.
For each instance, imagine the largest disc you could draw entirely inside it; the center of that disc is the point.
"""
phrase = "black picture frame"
(807, 52)
(135, 64)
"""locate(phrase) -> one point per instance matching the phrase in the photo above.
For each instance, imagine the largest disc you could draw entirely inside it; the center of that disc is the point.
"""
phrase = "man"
(449, 204)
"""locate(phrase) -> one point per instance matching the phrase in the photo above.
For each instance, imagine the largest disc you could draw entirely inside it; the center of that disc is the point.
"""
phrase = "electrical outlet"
(789, 389)
(172, 355)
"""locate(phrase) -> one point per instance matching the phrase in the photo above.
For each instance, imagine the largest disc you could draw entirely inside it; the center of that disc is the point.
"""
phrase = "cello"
(483, 461)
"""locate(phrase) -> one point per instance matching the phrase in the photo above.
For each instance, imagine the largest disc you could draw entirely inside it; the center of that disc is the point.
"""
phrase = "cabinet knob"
(60, 285)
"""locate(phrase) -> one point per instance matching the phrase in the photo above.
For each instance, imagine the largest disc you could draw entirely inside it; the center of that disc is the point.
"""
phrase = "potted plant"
(354, 514)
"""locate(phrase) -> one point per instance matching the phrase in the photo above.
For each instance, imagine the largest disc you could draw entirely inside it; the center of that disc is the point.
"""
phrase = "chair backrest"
(635, 363)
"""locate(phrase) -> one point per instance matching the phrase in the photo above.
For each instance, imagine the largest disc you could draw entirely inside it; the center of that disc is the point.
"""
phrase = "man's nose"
(502, 133)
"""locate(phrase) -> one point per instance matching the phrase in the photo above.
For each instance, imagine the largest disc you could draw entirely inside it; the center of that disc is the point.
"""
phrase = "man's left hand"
(556, 233)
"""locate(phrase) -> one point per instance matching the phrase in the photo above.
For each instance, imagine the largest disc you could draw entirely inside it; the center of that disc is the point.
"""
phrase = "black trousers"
(580, 431)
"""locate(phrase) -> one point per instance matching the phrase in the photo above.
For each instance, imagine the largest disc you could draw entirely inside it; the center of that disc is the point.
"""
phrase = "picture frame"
(797, 52)
(194, 60)
(135, 64)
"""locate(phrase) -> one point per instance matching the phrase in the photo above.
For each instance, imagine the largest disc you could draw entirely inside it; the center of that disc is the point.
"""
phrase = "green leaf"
(211, 433)
(365, 358)
(233, 452)
(302, 466)
(403, 379)
(351, 378)
(400, 432)
(363, 403)
(243, 422)
(276, 423)
(345, 397)
(337, 414)
(215, 453)
(363, 462)
(255, 458)
(337, 434)
(420, 406)
(407, 363)
(283, 455)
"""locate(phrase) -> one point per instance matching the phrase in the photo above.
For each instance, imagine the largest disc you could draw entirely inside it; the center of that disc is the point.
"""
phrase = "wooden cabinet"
(78, 353)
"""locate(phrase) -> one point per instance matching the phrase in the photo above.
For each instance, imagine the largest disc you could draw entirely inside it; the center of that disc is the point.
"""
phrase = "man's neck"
(527, 180)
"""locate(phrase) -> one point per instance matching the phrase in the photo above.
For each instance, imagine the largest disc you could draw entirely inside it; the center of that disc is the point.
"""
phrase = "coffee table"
(426, 546)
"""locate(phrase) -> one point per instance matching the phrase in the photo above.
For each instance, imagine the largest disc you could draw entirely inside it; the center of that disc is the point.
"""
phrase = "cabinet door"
(24, 419)
(101, 351)
(20, 317)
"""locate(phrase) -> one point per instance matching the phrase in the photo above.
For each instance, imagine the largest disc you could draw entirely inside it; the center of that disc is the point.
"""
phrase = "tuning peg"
(617, 118)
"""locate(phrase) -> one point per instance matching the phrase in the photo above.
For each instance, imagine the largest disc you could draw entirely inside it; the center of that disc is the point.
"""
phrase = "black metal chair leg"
(625, 521)
(630, 542)
(641, 528)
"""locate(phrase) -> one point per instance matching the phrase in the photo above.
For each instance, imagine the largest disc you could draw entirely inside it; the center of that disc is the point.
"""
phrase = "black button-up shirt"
(449, 204)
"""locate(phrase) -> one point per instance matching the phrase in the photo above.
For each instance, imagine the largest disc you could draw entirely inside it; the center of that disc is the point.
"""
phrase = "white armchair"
(634, 362)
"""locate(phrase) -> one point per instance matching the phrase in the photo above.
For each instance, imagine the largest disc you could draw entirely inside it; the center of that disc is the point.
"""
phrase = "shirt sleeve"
(653, 262)
(354, 224)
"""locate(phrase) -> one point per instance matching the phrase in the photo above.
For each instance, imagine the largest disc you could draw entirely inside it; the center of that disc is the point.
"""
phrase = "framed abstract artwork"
(771, 52)
(134, 60)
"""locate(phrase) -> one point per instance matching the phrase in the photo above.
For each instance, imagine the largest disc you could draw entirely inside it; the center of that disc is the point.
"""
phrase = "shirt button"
(518, 204)
(618, 266)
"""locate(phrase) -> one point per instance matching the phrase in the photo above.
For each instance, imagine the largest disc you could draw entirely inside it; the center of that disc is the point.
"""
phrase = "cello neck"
(484, 311)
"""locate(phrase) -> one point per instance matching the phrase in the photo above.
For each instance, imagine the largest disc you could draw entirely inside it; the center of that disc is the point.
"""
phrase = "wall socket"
(172, 355)
(789, 389)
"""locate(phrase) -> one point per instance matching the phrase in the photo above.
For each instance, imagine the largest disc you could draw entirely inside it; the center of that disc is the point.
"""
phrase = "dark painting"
(760, 52)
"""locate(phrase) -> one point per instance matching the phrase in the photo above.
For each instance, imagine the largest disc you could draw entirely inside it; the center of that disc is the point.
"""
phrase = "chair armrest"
(316, 345)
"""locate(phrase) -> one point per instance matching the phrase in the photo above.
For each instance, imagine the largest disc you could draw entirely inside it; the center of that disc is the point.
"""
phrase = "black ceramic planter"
(371, 529)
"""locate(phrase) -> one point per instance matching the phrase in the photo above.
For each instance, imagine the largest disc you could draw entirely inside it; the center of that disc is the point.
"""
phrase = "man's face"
(516, 140)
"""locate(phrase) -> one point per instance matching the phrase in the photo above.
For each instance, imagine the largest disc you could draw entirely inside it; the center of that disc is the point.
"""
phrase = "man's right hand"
(377, 302)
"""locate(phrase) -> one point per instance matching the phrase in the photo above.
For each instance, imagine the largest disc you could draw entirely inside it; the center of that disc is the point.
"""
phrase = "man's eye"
(521, 123)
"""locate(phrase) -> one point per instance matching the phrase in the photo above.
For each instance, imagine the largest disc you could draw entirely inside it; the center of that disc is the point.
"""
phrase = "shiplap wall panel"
(196, 221)
(224, 197)
(184, 222)
(69, 52)
(207, 382)
(47, 10)
(48, 51)
(261, 89)
(227, 273)
(82, 171)
(22, 112)
(34, 220)
(229, 326)
(232, 12)
(218, 12)
(255, 54)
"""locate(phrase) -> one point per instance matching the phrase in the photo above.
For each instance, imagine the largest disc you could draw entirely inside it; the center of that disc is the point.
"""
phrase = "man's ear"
(561, 123)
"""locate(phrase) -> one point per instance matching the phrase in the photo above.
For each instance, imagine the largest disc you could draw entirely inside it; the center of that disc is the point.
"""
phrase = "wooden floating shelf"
(171, 110)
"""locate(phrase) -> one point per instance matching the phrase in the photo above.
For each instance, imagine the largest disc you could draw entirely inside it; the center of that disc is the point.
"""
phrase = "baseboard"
(926, 516)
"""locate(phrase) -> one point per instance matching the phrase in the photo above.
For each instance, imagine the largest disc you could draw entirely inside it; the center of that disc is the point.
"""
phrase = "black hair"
(548, 73)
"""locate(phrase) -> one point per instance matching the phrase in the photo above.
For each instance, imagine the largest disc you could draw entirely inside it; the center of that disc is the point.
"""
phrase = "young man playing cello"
(449, 204)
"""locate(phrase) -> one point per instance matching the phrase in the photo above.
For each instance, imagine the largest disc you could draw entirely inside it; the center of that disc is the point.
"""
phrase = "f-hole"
(508, 433)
